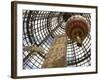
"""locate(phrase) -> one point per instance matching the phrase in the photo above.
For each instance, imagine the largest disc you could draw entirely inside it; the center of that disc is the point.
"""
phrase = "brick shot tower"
(57, 53)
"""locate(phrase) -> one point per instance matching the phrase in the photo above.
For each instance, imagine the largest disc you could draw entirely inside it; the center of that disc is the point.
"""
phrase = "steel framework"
(41, 27)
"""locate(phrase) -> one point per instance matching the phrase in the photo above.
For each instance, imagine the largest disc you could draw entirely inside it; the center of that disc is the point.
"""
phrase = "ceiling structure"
(40, 28)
